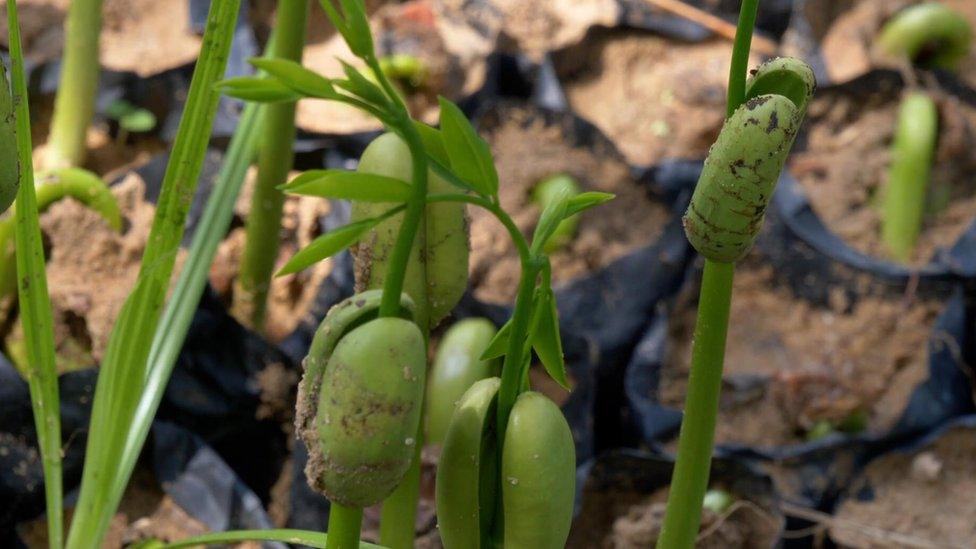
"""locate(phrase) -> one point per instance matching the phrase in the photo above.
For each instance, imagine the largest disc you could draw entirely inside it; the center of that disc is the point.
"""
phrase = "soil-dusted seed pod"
(740, 173)
(457, 366)
(359, 401)
(9, 165)
(537, 476)
(930, 34)
(544, 193)
(438, 271)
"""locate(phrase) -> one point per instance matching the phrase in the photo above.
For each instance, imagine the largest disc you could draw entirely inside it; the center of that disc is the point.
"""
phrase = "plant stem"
(739, 67)
(398, 513)
(514, 357)
(74, 105)
(344, 526)
(35, 304)
(275, 160)
(690, 479)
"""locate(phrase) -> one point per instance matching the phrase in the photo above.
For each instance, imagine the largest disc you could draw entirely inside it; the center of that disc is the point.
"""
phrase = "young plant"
(74, 105)
(457, 366)
(912, 153)
(275, 158)
(130, 118)
(929, 35)
(723, 219)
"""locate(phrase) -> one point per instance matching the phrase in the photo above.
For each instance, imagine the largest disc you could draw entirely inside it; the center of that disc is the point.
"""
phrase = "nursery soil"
(790, 364)
(536, 28)
(141, 36)
(926, 496)
(621, 520)
(454, 58)
(654, 97)
(847, 39)
(292, 295)
(527, 150)
(843, 170)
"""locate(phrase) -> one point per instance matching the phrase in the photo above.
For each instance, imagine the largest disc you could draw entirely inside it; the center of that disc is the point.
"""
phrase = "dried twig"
(713, 23)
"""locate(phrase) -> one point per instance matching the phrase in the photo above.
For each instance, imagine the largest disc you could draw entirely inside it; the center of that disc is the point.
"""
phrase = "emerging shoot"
(544, 193)
(928, 35)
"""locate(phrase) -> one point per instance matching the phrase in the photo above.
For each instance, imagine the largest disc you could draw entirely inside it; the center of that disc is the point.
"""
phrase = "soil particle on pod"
(290, 296)
(654, 97)
(528, 148)
(141, 36)
(790, 364)
(889, 504)
(844, 162)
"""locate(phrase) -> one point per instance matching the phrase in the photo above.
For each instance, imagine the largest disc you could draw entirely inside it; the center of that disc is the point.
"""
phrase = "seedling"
(929, 35)
(543, 193)
(131, 119)
(723, 219)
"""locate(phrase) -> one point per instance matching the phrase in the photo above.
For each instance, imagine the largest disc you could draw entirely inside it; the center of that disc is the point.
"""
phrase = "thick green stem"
(690, 479)
(908, 178)
(275, 160)
(74, 105)
(344, 526)
(397, 516)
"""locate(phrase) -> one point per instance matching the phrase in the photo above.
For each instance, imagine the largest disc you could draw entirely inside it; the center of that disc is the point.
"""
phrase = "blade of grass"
(35, 304)
(303, 537)
(124, 370)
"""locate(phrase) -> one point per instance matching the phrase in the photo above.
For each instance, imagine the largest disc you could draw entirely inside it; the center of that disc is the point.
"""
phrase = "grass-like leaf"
(469, 153)
(346, 185)
(284, 535)
(361, 86)
(296, 77)
(329, 244)
(555, 211)
(257, 89)
(585, 201)
(545, 337)
(498, 345)
(35, 304)
(123, 373)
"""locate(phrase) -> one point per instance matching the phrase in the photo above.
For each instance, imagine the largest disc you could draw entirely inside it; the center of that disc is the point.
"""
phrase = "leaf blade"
(346, 185)
(470, 155)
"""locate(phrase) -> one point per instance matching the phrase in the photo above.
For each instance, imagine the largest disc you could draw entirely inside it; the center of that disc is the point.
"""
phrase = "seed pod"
(538, 473)
(9, 163)
(740, 173)
(359, 402)
(437, 274)
(457, 366)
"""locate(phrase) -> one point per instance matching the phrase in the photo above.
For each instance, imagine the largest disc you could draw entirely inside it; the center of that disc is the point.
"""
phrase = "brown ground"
(633, 521)
(847, 40)
(141, 36)
(790, 365)
(656, 98)
(540, 27)
(844, 168)
(453, 54)
(527, 150)
(927, 497)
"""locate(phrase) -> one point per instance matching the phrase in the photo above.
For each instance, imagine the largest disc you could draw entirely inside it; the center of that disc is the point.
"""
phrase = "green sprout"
(723, 219)
(929, 35)
(543, 193)
(131, 118)
(912, 152)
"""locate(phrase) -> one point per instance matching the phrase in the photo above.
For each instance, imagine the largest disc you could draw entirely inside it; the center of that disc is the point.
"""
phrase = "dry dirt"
(656, 98)
(790, 365)
(926, 496)
(843, 170)
(540, 27)
(527, 150)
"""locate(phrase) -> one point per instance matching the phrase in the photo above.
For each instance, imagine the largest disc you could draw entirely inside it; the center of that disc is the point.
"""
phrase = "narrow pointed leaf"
(545, 338)
(361, 86)
(585, 201)
(346, 185)
(259, 89)
(498, 344)
(296, 77)
(469, 154)
(328, 245)
(555, 211)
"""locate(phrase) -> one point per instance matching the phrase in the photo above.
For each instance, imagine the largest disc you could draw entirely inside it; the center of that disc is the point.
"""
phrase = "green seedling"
(9, 162)
(854, 423)
(457, 366)
(912, 153)
(131, 119)
(929, 35)
(544, 193)
(723, 219)
(275, 160)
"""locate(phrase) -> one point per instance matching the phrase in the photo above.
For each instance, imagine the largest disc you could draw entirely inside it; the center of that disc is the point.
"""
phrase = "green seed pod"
(437, 274)
(538, 473)
(543, 193)
(359, 401)
(928, 34)
(9, 163)
(740, 173)
(457, 366)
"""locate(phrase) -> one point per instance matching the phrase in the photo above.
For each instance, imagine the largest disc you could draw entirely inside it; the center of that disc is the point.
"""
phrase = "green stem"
(275, 160)
(397, 516)
(740, 54)
(74, 105)
(35, 304)
(514, 357)
(690, 479)
(344, 526)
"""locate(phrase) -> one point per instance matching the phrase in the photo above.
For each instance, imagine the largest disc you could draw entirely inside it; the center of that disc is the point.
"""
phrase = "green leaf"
(346, 185)
(328, 245)
(585, 201)
(296, 77)
(433, 142)
(555, 211)
(285, 535)
(360, 38)
(545, 336)
(256, 88)
(470, 156)
(361, 86)
(498, 345)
